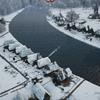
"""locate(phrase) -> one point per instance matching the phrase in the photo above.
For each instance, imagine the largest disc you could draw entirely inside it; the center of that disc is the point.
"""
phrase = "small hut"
(32, 59)
(24, 53)
(43, 62)
(19, 49)
(51, 68)
(40, 92)
(6, 43)
(12, 47)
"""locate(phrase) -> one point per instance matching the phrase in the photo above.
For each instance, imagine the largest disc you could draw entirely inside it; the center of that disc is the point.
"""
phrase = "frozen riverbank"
(84, 13)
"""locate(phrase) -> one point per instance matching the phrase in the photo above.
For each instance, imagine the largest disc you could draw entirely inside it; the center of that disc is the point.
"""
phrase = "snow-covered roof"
(55, 92)
(69, 72)
(13, 46)
(32, 57)
(25, 52)
(98, 32)
(39, 91)
(52, 67)
(8, 42)
(20, 48)
(43, 62)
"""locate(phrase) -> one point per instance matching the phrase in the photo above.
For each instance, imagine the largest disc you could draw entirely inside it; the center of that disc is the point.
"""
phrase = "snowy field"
(86, 91)
(83, 13)
(8, 76)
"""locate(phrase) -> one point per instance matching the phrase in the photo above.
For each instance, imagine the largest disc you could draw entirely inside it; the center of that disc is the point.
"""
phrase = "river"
(31, 28)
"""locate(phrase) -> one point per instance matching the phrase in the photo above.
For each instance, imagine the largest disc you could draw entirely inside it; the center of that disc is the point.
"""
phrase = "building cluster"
(52, 80)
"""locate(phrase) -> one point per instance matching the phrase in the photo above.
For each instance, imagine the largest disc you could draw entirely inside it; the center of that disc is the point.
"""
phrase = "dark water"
(30, 28)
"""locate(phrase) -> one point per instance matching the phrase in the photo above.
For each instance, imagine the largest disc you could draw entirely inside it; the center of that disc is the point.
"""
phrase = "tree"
(72, 16)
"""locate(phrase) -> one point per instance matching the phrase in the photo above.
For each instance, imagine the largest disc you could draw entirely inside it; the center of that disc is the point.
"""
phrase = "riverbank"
(82, 91)
(83, 13)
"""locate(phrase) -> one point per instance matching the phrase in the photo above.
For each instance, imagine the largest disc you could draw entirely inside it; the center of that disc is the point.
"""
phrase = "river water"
(31, 28)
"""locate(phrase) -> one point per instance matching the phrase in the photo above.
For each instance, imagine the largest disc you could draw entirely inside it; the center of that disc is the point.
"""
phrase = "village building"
(32, 59)
(40, 92)
(43, 62)
(19, 49)
(6, 43)
(24, 53)
(12, 47)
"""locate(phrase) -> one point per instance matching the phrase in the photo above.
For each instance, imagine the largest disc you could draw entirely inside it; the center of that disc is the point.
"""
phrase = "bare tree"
(72, 16)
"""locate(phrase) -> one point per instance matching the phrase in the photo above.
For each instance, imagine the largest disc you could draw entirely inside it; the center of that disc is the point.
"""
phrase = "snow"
(43, 62)
(25, 52)
(32, 58)
(87, 91)
(53, 90)
(20, 48)
(83, 13)
(10, 17)
(39, 91)
(52, 67)
(6, 43)
(8, 79)
(13, 45)
(69, 72)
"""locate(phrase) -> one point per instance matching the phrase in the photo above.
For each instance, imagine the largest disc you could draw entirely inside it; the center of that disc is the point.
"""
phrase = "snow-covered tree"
(72, 16)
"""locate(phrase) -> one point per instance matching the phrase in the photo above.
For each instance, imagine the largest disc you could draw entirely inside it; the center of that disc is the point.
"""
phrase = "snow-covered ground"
(86, 91)
(9, 18)
(8, 76)
(83, 13)
(78, 89)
